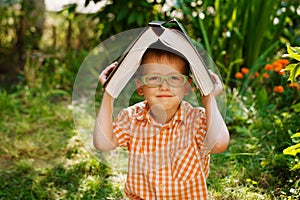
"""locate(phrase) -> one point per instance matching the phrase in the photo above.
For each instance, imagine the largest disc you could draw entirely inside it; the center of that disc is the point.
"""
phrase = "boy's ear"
(139, 88)
(187, 87)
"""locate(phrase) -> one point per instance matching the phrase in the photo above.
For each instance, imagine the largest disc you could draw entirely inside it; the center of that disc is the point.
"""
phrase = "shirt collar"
(143, 114)
(143, 111)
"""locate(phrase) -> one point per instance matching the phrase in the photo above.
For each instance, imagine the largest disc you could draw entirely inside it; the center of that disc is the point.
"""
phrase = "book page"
(130, 63)
(176, 40)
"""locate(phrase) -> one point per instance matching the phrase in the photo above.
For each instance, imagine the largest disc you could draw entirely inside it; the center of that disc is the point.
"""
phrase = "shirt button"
(161, 161)
(161, 186)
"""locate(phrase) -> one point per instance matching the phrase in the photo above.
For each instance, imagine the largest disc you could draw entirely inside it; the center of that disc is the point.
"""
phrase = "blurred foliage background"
(41, 50)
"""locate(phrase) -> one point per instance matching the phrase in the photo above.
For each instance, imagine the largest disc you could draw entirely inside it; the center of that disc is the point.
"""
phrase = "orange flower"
(245, 70)
(238, 75)
(256, 74)
(278, 67)
(293, 85)
(266, 75)
(268, 67)
(278, 89)
(284, 62)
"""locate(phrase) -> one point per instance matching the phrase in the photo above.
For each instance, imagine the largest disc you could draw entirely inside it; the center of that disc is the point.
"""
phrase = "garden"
(255, 45)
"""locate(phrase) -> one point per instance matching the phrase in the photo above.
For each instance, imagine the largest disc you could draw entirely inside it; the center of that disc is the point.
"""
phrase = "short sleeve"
(200, 125)
(121, 126)
(201, 130)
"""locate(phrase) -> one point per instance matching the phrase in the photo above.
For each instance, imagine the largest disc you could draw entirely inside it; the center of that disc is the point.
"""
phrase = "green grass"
(254, 166)
(42, 157)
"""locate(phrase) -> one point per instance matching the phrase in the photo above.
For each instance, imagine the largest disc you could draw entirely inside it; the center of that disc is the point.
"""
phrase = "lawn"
(42, 156)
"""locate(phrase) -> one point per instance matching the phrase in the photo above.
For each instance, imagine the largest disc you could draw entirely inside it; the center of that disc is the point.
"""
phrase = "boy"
(169, 141)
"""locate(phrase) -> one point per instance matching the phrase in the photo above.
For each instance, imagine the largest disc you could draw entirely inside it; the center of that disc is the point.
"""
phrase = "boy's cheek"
(187, 88)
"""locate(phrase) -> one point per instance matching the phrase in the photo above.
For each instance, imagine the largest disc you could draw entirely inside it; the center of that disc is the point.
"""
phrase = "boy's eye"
(153, 78)
(175, 77)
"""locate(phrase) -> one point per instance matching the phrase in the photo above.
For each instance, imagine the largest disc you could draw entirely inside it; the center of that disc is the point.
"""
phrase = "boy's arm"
(103, 137)
(217, 136)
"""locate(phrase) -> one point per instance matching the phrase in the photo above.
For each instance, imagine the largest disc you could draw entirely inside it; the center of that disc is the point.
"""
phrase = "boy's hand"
(218, 89)
(218, 86)
(105, 73)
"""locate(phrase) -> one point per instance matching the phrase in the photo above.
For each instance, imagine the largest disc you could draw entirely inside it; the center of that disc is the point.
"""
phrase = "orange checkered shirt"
(166, 161)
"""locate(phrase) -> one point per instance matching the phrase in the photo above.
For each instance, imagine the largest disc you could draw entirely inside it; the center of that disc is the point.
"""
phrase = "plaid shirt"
(166, 161)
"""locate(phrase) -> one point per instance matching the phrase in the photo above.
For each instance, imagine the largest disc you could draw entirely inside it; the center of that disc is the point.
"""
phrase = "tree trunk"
(29, 29)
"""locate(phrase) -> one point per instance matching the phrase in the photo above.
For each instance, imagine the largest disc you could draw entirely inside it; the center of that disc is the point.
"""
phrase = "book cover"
(164, 35)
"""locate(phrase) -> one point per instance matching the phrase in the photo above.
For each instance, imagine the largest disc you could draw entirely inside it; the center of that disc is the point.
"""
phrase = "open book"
(175, 39)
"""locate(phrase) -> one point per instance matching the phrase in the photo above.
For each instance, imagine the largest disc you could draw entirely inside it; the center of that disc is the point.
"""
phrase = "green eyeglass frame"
(155, 80)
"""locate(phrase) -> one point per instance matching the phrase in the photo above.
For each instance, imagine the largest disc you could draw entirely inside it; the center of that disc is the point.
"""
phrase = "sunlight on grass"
(42, 157)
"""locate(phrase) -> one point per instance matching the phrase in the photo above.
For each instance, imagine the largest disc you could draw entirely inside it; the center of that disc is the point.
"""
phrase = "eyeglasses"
(174, 80)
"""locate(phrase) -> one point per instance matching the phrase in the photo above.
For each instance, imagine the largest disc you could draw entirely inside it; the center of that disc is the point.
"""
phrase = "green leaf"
(292, 150)
(294, 72)
(296, 135)
(297, 166)
(296, 107)
(140, 20)
(122, 14)
(296, 49)
(262, 97)
(297, 73)
(132, 17)
(294, 52)
(290, 67)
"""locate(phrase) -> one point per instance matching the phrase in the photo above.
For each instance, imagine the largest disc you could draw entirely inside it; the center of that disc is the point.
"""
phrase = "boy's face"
(164, 96)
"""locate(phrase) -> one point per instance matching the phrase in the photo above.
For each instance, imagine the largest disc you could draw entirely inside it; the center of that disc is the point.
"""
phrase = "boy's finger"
(110, 68)
(105, 73)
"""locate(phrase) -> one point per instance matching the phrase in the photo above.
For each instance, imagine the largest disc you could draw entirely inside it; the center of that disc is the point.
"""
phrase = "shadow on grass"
(85, 180)
(41, 156)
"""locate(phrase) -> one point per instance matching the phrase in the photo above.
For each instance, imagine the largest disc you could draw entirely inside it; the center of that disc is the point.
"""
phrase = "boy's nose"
(164, 84)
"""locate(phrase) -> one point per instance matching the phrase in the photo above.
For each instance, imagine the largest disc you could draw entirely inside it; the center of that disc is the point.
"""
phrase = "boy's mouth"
(164, 96)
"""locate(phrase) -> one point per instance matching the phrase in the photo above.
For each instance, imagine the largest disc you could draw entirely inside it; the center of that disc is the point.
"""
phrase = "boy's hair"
(161, 54)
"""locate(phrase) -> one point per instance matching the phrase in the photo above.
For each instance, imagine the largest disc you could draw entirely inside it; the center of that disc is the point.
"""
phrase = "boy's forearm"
(103, 136)
(217, 137)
